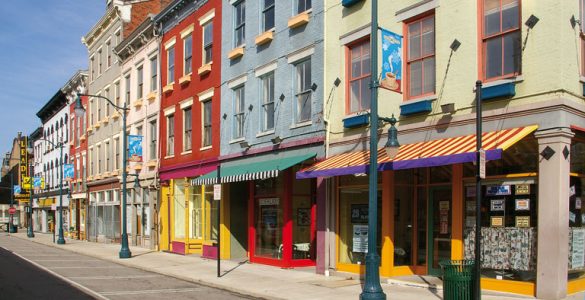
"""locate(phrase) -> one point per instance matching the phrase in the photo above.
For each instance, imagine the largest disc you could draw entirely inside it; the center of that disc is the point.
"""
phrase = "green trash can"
(457, 279)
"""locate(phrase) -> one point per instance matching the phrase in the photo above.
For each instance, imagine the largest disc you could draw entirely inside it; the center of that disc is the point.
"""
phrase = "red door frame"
(287, 229)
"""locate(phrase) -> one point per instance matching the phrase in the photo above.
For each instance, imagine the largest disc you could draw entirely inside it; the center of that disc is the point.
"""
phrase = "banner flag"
(391, 61)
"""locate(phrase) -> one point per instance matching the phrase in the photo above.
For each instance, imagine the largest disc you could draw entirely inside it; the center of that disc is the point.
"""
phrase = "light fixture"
(392, 144)
(455, 45)
(244, 145)
(281, 97)
(532, 20)
(448, 108)
(78, 108)
(337, 81)
(314, 87)
(250, 107)
(276, 140)
(574, 21)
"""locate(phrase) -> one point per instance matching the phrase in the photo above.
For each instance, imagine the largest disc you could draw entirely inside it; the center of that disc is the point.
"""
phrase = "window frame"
(171, 65)
(500, 34)
(264, 13)
(207, 49)
(239, 103)
(267, 100)
(305, 8)
(170, 134)
(239, 26)
(188, 54)
(153, 73)
(187, 130)
(348, 61)
(153, 137)
(140, 82)
(127, 79)
(300, 92)
(408, 61)
(206, 122)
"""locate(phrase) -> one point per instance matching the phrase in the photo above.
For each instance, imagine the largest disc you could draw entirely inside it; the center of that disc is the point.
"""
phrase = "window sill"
(238, 140)
(299, 20)
(186, 152)
(420, 99)
(265, 133)
(151, 96)
(168, 88)
(205, 148)
(205, 69)
(420, 105)
(137, 104)
(185, 79)
(169, 156)
(236, 53)
(302, 124)
(516, 79)
(151, 163)
(265, 37)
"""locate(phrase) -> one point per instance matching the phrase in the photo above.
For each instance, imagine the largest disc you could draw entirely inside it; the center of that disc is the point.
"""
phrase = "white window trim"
(299, 55)
(415, 10)
(169, 111)
(185, 103)
(207, 17)
(170, 43)
(185, 32)
(205, 95)
(355, 35)
(236, 82)
(265, 69)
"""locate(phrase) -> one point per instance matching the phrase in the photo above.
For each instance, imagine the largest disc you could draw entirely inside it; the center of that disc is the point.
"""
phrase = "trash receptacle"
(457, 279)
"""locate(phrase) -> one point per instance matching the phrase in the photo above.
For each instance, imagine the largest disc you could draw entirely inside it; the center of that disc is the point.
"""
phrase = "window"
(139, 82)
(117, 93)
(99, 159)
(108, 54)
(303, 5)
(107, 95)
(99, 59)
(188, 54)
(239, 102)
(187, 129)
(117, 152)
(99, 109)
(171, 65)
(91, 109)
(108, 152)
(303, 91)
(421, 57)
(206, 123)
(207, 42)
(127, 89)
(92, 68)
(359, 76)
(239, 23)
(268, 102)
(153, 74)
(170, 135)
(501, 45)
(268, 15)
(152, 143)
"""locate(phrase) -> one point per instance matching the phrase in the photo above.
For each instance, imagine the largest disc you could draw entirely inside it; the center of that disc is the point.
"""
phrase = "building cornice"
(136, 40)
(100, 27)
(176, 12)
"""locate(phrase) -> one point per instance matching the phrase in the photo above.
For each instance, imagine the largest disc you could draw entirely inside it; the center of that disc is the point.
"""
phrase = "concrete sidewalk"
(245, 278)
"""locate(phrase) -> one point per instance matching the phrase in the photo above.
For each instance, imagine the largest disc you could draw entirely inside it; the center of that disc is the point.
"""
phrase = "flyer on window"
(522, 204)
(498, 205)
(360, 238)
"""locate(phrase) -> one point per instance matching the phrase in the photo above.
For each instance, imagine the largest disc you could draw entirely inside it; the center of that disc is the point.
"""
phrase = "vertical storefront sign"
(360, 238)
(23, 158)
(135, 148)
(391, 61)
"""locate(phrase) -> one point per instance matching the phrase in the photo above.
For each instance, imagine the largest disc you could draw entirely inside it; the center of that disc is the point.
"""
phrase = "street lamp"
(79, 112)
(60, 145)
(30, 233)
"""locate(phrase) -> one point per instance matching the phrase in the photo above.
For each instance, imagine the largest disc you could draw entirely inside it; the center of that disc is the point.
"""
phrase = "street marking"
(66, 260)
(71, 282)
(119, 293)
(110, 267)
(113, 277)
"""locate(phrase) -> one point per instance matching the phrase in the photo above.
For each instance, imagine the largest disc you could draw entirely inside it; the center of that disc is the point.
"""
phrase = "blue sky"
(40, 49)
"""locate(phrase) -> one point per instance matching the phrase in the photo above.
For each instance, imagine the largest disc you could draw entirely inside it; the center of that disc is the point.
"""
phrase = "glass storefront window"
(211, 234)
(303, 246)
(268, 219)
(179, 209)
(403, 222)
(270, 186)
(196, 215)
(576, 228)
(440, 174)
(353, 220)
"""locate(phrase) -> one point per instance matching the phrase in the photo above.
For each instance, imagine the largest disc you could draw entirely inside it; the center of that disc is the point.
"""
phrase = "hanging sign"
(23, 158)
(26, 183)
(482, 163)
(38, 183)
(360, 238)
(68, 172)
(391, 61)
(135, 148)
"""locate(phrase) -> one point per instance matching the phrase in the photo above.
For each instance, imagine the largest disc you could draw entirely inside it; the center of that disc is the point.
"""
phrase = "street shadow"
(232, 269)
(147, 252)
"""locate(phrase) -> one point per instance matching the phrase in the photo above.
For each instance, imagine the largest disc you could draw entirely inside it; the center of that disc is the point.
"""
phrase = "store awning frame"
(433, 153)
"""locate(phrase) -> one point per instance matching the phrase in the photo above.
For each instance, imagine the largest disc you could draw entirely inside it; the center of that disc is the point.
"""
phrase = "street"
(26, 267)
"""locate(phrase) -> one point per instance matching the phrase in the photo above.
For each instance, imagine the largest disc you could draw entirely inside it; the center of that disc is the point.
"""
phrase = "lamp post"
(30, 233)
(478, 133)
(11, 228)
(60, 145)
(79, 112)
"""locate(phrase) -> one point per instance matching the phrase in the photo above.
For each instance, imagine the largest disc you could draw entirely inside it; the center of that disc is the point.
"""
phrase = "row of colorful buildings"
(272, 98)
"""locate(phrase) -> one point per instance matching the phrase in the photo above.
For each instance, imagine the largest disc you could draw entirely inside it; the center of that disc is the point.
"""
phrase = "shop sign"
(26, 183)
(268, 201)
(498, 190)
(359, 213)
(578, 250)
(360, 238)
(217, 192)
(498, 205)
(38, 183)
(523, 189)
(23, 158)
(522, 204)
(497, 221)
(523, 221)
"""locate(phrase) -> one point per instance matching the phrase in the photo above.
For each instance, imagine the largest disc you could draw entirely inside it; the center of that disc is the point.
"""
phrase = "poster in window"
(470, 206)
(470, 191)
(360, 238)
(470, 221)
(498, 190)
(498, 205)
(269, 216)
(304, 216)
(523, 221)
(578, 249)
(578, 203)
(572, 191)
(522, 204)
(572, 217)
(497, 221)
(359, 213)
(523, 189)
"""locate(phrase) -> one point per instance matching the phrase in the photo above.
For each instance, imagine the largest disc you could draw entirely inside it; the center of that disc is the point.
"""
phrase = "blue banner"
(391, 61)
(68, 172)
(38, 183)
(17, 189)
(135, 148)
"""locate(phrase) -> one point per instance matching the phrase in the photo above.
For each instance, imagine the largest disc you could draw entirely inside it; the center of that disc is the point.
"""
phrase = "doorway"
(439, 228)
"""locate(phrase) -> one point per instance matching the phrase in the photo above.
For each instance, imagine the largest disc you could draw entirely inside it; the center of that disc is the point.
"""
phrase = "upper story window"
(170, 135)
(359, 76)
(239, 23)
(267, 15)
(239, 120)
(268, 102)
(187, 128)
(501, 38)
(153, 74)
(99, 59)
(117, 153)
(107, 95)
(303, 5)
(108, 54)
(207, 128)
(152, 142)
(92, 68)
(139, 82)
(207, 42)
(303, 91)
(127, 89)
(188, 54)
(420, 61)
(117, 93)
(171, 65)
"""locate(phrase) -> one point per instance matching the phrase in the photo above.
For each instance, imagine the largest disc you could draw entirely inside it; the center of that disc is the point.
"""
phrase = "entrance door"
(439, 228)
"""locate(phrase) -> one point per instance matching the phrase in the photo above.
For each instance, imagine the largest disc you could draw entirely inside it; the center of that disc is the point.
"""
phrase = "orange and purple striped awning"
(422, 154)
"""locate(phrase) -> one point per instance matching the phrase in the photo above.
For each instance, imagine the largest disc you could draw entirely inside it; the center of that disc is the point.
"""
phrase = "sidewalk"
(250, 279)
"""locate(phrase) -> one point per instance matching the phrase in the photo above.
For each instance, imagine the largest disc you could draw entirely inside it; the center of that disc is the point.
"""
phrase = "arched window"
(66, 159)
(66, 118)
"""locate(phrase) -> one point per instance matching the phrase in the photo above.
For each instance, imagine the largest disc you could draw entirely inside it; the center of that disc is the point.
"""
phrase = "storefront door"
(439, 227)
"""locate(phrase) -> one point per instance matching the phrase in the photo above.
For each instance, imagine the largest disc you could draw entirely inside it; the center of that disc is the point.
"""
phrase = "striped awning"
(423, 154)
(264, 169)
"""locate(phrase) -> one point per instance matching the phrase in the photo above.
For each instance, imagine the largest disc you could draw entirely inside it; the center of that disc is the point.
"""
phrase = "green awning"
(252, 171)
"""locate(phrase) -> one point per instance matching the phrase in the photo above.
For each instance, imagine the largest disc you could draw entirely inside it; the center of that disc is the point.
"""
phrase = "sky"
(40, 50)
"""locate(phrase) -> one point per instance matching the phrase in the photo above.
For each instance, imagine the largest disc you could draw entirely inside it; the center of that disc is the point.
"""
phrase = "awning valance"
(423, 154)
(252, 171)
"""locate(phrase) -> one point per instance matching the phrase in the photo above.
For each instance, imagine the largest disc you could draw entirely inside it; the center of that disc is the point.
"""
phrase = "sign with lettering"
(523, 221)
(17, 189)
(360, 238)
(497, 221)
(578, 249)
(359, 213)
(23, 158)
(498, 190)
(523, 189)
(522, 204)
(26, 183)
(498, 205)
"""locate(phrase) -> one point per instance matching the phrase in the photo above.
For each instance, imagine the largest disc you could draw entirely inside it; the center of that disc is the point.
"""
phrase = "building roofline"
(56, 102)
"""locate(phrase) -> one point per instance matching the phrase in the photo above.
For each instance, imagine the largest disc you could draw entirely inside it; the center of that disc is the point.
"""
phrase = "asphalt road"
(30, 270)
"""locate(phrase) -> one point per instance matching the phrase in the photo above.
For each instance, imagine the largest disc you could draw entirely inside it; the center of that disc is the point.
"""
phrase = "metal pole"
(218, 225)
(478, 134)
(30, 233)
(124, 251)
(11, 218)
(61, 240)
(372, 288)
